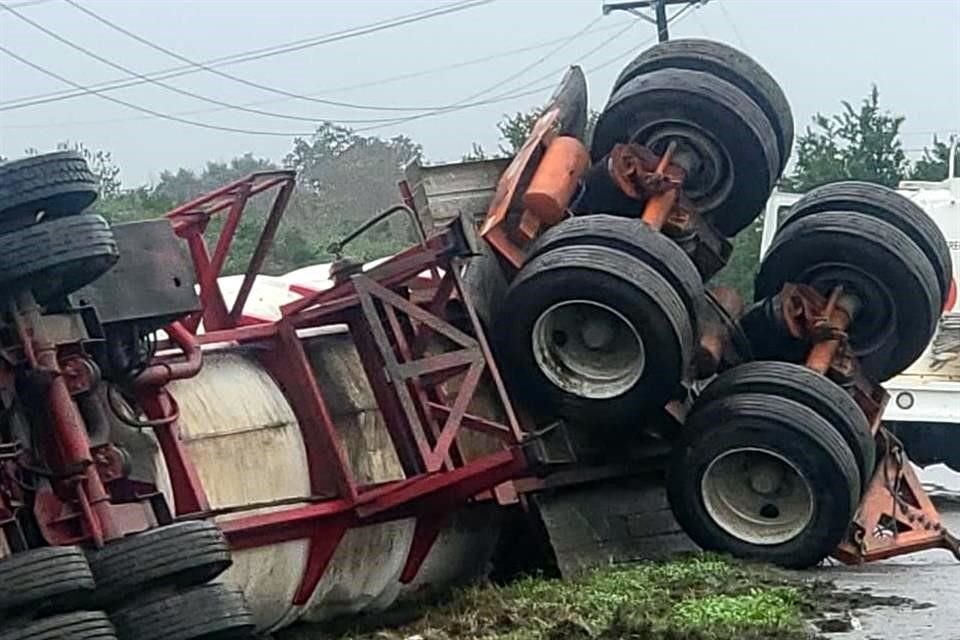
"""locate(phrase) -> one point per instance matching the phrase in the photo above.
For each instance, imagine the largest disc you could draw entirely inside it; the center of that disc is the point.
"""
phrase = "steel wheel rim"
(757, 496)
(709, 168)
(877, 323)
(588, 349)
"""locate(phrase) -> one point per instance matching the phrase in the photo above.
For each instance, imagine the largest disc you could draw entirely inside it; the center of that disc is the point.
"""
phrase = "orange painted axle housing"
(895, 516)
(555, 181)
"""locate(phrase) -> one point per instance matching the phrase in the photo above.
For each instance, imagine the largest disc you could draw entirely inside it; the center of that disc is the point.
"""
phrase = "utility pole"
(659, 8)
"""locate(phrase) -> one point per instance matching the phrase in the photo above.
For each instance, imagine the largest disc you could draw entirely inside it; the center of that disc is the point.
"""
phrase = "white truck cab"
(924, 408)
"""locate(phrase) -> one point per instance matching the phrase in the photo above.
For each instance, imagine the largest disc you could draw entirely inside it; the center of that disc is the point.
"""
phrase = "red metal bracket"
(822, 322)
(896, 516)
(425, 533)
(191, 219)
(393, 311)
(323, 544)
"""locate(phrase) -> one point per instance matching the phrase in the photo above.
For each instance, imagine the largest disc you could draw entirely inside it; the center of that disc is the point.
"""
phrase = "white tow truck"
(924, 408)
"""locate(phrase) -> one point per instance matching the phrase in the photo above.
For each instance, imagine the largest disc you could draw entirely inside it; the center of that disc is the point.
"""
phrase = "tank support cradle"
(896, 515)
(422, 369)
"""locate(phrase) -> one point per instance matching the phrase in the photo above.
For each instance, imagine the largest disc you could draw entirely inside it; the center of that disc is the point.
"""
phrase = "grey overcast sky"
(821, 52)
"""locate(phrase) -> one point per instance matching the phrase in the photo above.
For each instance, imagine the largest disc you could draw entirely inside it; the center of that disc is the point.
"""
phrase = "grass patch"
(695, 598)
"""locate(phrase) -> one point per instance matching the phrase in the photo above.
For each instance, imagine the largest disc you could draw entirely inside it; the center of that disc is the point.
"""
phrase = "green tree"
(934, 164)
(344, 179)
(855, 144)
(130, 205)
(515, 129)
(744, 261)
(184, 184)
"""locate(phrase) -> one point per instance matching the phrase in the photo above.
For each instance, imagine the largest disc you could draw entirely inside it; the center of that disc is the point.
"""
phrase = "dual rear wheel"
(729, 120)
(600, 322)
(886, 254)
(774, 456)
(48, 244)
(150, 586)
(771, 464)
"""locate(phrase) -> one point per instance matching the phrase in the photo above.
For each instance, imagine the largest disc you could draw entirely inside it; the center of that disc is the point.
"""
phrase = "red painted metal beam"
(283, 525)
(326, 458)
(407, 385)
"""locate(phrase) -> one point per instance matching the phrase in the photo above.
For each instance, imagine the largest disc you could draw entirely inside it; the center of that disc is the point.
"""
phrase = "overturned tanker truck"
(186, 456)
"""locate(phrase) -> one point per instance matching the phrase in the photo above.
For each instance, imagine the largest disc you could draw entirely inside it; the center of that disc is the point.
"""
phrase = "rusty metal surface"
(642, 174)
(896, 515)
(153, 282)
(443, 192)
(499, 225)
(400, 304)
(722, 343)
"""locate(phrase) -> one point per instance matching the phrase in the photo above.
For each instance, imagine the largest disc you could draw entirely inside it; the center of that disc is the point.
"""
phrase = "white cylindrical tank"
(246, 444)
(244, 439)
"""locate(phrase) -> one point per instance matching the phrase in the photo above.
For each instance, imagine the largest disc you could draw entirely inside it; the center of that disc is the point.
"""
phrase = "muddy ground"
(915, 596)
(928, 581)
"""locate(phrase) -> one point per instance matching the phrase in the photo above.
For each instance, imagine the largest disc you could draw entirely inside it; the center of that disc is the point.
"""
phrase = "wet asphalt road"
(930, 579)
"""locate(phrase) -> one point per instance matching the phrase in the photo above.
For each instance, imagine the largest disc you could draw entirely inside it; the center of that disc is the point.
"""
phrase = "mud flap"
(611, 522)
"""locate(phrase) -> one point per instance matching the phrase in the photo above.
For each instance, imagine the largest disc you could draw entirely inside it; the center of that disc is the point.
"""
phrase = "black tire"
(57, 257)
(208, 612)
(769, 338)
(180, 555)
(485, 278)
(800, 384)
(79, 625)
(893, 281)
(722, 122)
(636, 238)
(791, 431)
(50, 579)
(643, 300)
(726, 63)
(56, 184)
(885, 204)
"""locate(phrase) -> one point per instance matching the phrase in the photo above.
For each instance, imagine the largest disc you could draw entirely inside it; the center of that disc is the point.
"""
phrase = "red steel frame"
(391, 334)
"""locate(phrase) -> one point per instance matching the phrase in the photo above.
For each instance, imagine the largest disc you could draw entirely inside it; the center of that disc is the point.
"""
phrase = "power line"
(659, 8)
(234, 78)
(164, 85)
(728, 18)
(551, 74)
(204, 125)
(256, 54)
(204, 98)
(676, 17)
(27, 3)
(101, 92)
(368, 83)
(520, 72)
